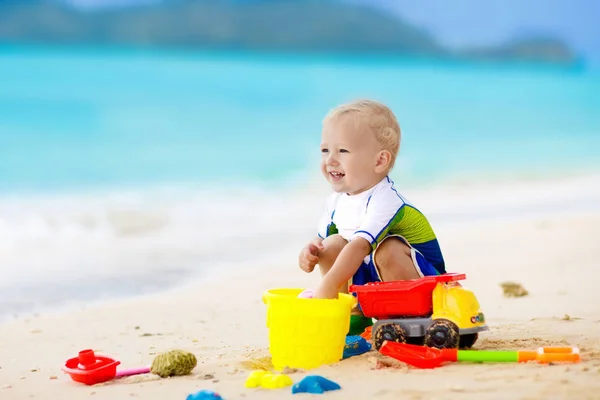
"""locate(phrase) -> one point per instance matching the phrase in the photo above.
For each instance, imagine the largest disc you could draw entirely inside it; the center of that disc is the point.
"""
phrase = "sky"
(461, 23)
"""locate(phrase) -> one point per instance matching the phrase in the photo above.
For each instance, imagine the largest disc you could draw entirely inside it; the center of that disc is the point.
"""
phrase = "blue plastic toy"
(204, 395)
(314, 384)
(355, 345)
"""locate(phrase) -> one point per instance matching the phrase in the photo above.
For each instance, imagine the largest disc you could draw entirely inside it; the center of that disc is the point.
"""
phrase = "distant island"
(314, 26)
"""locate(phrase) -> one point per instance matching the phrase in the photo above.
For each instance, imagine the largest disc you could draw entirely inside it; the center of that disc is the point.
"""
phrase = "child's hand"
(309, 256)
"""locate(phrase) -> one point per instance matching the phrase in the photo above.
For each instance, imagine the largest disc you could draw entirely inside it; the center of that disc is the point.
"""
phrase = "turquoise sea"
(125, 171)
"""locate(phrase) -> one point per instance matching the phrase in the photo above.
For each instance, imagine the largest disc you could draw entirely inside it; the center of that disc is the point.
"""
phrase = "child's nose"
(331, 160)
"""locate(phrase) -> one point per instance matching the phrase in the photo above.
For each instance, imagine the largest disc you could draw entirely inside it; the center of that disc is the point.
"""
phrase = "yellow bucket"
(306, 333)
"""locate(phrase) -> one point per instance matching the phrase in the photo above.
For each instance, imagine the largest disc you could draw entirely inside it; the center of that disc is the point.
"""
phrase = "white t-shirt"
(377, 213)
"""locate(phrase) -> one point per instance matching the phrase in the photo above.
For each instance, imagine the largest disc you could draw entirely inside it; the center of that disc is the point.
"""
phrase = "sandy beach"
(222, 321)
(160, 171)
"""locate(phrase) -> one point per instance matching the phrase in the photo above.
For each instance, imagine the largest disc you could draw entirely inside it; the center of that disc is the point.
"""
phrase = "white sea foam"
(55, 249)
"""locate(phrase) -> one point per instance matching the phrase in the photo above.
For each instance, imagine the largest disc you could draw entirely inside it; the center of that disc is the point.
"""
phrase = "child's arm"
(384, 210)
(345, 266)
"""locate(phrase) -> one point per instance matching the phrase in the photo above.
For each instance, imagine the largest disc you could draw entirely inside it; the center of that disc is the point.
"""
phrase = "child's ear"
(383, 161)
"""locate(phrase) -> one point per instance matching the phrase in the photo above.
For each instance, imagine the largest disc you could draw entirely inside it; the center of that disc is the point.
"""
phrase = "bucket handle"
(265, 297)
(353, 301)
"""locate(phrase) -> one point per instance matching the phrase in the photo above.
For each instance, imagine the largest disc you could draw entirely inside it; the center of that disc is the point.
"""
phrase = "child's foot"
(358, 324)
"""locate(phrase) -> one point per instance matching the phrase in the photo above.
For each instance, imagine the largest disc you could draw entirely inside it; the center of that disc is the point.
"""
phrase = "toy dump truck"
(436, 311)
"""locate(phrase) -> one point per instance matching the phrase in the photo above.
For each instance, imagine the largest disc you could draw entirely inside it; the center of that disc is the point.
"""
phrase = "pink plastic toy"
(307, 294)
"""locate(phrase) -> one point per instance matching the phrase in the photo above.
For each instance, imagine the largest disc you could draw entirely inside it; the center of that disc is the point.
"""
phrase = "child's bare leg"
(394, 261)
(332, 245)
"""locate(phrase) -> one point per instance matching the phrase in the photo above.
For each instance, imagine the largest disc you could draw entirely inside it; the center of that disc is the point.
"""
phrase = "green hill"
(284, 25)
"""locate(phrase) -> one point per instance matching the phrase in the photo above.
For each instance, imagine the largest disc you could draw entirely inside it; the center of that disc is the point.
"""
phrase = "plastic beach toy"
(307, 294)
(355, 345)
(204, 395)
(306, 333)
(315, 384)
(267, 380)
(436, 310)
(90, 369)
(430, 357)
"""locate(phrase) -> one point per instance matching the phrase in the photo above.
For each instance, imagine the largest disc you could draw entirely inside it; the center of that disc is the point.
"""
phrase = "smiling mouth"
(336, 175)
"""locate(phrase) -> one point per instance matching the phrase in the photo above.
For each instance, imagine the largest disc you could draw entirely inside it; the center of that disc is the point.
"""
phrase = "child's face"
(351, 156)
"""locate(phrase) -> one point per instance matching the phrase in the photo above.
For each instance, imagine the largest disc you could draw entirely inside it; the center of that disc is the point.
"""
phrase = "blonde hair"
(379, 118)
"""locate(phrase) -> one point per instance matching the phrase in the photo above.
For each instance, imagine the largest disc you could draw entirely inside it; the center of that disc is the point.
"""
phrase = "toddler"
(369, 231)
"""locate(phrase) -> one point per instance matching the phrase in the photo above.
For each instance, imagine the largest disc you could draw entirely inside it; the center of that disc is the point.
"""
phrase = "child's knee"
(332, 246)
(391, 249)
(393, 257)
(334, 241)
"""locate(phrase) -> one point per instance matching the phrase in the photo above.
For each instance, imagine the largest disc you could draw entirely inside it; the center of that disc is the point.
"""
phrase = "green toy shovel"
(431, 357)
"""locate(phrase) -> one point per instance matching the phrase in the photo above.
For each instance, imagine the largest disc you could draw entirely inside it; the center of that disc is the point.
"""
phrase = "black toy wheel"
(442, 334)
(467, 341)
(388, 331)
(416, 340)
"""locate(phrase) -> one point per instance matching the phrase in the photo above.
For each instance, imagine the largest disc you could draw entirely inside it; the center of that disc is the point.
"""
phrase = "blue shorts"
(368, 271)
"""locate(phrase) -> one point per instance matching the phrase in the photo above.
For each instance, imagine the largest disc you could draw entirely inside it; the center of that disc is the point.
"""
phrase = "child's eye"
(344, 151)
(324, 151)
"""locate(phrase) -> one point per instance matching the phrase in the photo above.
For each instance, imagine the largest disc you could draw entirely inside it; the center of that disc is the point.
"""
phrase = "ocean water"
(126, 172)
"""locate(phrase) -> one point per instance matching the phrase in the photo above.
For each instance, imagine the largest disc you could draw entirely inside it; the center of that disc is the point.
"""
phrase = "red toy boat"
(91, 369)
